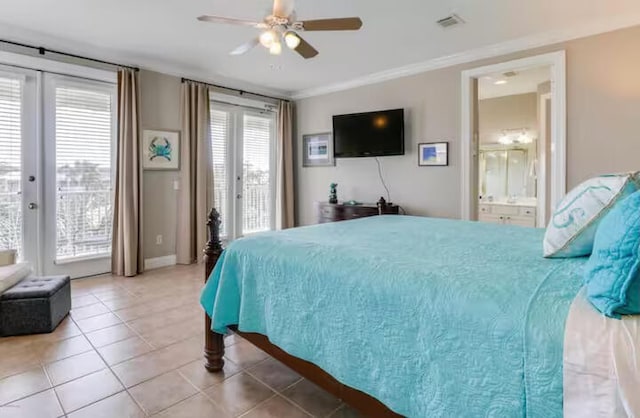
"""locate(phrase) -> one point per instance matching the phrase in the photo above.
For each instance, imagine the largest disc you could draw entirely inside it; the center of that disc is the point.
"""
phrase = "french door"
(56, 152)
(18, 163)
(244, 154)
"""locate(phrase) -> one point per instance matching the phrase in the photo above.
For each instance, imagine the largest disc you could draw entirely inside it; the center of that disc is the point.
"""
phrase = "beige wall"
(507, 112)
(159, 109)
(603, 118)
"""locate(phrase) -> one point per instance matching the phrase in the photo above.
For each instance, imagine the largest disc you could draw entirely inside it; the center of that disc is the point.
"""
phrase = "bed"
(402, 316)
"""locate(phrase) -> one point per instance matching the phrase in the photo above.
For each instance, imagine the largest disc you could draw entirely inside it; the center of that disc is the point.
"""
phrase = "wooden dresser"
(334, 212)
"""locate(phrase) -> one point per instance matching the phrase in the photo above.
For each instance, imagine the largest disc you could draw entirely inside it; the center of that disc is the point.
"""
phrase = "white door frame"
(542, 163)
(469, 143)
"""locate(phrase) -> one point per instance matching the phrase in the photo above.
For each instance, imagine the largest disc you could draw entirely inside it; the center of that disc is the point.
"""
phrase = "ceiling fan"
(282, 26)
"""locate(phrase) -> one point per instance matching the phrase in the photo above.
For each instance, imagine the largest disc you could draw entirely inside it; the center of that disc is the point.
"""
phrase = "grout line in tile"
(256, 406)
(189, 382)
(266, 384)
(330, 414)
(109, 367)
(117, 378)
(94, 402)
(55, 392)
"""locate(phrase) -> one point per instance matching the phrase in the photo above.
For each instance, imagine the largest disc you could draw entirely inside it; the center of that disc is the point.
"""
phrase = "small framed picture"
(160, 150)
(317, 150)
(433, 154)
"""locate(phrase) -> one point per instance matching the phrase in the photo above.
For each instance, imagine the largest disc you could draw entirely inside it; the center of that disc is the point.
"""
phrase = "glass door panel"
(257, 199)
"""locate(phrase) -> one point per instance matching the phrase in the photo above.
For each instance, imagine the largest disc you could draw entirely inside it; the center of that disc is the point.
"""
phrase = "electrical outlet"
(159, 240)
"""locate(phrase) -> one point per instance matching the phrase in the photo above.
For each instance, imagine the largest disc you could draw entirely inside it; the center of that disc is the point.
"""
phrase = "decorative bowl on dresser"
(334, 212)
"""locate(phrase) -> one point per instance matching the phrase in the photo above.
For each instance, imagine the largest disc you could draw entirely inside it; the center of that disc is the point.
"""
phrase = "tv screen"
(373, 134)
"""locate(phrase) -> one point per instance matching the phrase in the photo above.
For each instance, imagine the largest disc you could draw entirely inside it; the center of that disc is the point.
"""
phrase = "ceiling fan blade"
(230, 21)
(246, 47)
(347, 23)
(305, 49)
(283, 8)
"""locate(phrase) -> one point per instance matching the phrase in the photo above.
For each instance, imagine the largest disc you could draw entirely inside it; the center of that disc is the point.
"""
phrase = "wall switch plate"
(159, 240)
(176, 185)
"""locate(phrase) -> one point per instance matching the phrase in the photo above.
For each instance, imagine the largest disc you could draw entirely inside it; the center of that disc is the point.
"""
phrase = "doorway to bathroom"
(514, 141)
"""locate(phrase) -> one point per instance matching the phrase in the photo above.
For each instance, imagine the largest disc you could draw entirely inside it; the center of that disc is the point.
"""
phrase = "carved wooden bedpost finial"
(214, 342)
(213, 249)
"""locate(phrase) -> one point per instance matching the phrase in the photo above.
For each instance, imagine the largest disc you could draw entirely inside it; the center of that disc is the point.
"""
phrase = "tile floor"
(133, 348)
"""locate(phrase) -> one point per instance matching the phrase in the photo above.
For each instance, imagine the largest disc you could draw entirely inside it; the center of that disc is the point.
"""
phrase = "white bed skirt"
(601, 364)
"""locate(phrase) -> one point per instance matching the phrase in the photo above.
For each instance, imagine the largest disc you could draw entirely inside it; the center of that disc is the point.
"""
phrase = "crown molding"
(491, 51)
(149, 63)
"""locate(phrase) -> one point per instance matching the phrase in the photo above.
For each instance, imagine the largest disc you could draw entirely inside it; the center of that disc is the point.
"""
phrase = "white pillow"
(12, 274)
(573, 225)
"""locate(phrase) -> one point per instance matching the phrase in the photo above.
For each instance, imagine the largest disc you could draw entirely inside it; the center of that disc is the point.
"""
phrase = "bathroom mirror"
(507, 172)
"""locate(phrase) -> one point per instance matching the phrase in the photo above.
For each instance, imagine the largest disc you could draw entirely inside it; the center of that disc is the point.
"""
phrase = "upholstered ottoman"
(35, 305)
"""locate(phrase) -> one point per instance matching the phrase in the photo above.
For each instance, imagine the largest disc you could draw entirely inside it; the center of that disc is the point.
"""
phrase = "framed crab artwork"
(160, 150)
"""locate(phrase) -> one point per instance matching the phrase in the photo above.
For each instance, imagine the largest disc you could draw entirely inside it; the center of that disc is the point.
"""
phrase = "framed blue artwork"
(433, 154)
(160, 150)
(317, 150)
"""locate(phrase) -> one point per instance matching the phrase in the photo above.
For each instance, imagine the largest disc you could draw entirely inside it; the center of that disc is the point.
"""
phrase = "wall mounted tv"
(373, 134)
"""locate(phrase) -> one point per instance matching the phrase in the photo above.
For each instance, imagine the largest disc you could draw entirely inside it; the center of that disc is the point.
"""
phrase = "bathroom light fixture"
(500, 82)
(524, 138)
(505, 139)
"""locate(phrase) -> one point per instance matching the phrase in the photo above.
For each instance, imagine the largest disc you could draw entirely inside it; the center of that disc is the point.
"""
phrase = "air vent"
(450, 21)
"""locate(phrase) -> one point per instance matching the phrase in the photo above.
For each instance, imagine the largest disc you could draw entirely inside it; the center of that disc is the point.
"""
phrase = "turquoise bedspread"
(433, 317)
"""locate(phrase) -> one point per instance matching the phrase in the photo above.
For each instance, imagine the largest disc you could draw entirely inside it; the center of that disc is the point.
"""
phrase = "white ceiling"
(525, 81)
(164, 35)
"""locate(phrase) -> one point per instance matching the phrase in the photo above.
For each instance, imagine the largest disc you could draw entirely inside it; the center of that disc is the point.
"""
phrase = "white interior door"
(19, 174)
(79, 142)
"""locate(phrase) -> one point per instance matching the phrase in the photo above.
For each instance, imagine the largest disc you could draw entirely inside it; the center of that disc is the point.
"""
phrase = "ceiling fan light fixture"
(291, 39)
(275, 48)
(268, 38)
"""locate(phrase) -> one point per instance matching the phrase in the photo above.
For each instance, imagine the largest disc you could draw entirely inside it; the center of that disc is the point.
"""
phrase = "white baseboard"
(159, 262)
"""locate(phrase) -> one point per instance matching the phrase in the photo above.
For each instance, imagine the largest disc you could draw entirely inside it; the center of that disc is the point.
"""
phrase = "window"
(11, 163)
(220, 134)
(56, 151)
(83, 138)
(243, 154)
(257, 172)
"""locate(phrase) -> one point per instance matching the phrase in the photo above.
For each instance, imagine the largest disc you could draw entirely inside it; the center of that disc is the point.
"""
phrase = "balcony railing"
(257, 208)
(11, 222)
(84, 222)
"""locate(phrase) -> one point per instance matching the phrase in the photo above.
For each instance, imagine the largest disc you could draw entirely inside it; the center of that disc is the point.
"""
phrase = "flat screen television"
(372, 134)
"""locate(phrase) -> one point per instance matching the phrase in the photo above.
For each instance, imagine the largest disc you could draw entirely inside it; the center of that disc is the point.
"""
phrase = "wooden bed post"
(214, 342)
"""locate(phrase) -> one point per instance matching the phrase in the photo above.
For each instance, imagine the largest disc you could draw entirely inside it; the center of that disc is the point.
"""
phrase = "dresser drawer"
(521, 221)
(494, 219)
(327, 211)
(484, 209)
(505, 210)
(528, 211)
(354, 212)
(326, 220)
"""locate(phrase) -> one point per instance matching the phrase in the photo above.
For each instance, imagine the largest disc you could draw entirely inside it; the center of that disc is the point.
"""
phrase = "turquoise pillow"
(612, 273)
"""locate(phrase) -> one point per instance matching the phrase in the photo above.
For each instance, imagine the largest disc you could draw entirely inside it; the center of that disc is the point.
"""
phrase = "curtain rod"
(241, 92)
(42, 51)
